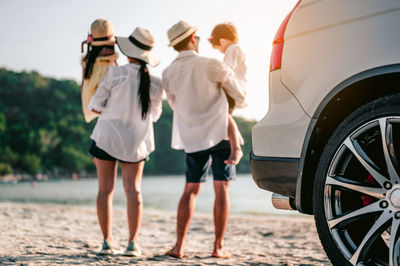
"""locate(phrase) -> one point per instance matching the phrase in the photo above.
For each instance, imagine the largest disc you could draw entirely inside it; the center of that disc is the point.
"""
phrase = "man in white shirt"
(200, 128)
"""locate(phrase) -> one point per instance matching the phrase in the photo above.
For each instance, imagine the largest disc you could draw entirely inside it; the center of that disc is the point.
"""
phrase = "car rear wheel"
(357, 187)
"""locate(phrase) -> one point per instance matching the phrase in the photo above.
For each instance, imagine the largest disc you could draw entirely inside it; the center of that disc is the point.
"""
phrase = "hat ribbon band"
(139, 44)
(101, 39)
(183, 33)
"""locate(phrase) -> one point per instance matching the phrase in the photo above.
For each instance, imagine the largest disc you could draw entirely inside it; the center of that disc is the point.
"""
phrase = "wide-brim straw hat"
(179, 32)
(102, 32)
(139, 45)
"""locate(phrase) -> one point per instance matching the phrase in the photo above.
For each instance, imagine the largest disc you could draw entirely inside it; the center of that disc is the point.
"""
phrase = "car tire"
(356, 200)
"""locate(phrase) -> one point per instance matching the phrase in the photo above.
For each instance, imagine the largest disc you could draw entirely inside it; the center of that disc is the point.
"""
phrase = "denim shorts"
(103, 155)
(198, 163)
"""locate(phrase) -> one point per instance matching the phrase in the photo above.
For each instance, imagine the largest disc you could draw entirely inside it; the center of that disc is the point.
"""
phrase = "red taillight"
(277, 44)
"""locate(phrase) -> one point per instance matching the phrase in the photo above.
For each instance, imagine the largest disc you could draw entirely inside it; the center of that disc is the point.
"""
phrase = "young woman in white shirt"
(129, 100)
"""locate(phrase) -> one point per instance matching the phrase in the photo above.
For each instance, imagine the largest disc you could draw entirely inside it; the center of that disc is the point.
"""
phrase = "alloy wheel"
(362, 194)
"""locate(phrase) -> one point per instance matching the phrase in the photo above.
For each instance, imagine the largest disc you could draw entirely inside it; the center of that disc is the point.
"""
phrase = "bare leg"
(107, 173)
(185, 214)
(222, 207)
(233, 135)
(132, 179)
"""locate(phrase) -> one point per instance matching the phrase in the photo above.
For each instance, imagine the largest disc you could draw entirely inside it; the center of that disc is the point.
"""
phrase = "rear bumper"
(278, 175)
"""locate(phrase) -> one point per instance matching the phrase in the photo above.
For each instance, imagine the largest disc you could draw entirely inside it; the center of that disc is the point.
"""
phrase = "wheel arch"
(336, 106)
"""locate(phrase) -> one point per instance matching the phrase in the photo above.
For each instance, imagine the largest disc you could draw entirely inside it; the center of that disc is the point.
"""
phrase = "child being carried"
(224, 37)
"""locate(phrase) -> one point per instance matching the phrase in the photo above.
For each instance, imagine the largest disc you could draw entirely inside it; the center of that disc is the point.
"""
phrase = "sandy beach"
(46, 234)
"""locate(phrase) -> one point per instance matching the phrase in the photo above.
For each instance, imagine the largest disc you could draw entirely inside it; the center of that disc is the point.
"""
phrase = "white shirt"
(200, 119)
(236, 59)
(120, 129)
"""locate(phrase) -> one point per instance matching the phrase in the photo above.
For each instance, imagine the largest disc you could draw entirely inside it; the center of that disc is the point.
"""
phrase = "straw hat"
(102, 33)
(179, 32)
(139, 45)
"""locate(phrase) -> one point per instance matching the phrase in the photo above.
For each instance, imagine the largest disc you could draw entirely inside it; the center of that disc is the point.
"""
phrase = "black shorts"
(198, 163)
(102, 155)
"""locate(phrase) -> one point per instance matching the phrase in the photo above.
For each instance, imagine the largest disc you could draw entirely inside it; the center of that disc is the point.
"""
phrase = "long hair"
(144, 88)
(90, 58)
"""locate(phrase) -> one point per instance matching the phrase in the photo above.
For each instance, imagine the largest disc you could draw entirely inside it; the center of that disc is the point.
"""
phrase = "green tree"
(5, 169)
(30, 163)
(42, 129)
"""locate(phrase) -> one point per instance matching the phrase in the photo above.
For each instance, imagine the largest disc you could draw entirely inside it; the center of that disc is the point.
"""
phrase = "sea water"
(159, 192)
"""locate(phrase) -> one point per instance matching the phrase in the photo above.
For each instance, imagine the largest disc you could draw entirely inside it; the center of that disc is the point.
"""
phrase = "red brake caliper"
(367, 199)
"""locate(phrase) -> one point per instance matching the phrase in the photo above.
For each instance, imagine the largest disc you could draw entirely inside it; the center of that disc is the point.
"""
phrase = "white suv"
(330, 142)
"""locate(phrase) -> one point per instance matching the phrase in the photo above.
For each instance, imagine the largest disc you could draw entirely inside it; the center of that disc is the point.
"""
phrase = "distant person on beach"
(99, 56)
(128, 100)
(224, 37)
(200, 128)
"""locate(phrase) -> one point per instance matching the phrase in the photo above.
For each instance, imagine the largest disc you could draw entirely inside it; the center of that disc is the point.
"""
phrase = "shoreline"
(160, 193)
(43, 234)
(21, 178)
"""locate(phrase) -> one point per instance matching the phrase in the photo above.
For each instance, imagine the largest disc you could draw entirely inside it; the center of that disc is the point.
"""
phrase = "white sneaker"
(108, 249)
(133, 250)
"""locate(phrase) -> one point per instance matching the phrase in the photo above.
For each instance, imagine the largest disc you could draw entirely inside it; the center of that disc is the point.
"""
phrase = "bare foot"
(234, 157)
(221, 253)
(173, 253)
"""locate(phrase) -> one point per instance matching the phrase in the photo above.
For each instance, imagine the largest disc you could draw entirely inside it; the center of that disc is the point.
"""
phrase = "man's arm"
(170, 99)
(156, 102)
(219, 72)
(170, 95)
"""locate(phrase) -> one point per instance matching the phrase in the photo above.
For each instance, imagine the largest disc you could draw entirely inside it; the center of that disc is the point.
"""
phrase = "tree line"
(42, 130)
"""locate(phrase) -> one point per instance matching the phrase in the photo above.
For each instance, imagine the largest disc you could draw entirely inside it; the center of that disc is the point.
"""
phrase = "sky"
(45, 35)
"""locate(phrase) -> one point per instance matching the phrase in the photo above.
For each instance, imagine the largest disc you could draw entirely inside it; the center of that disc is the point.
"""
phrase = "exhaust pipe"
(283, 202)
